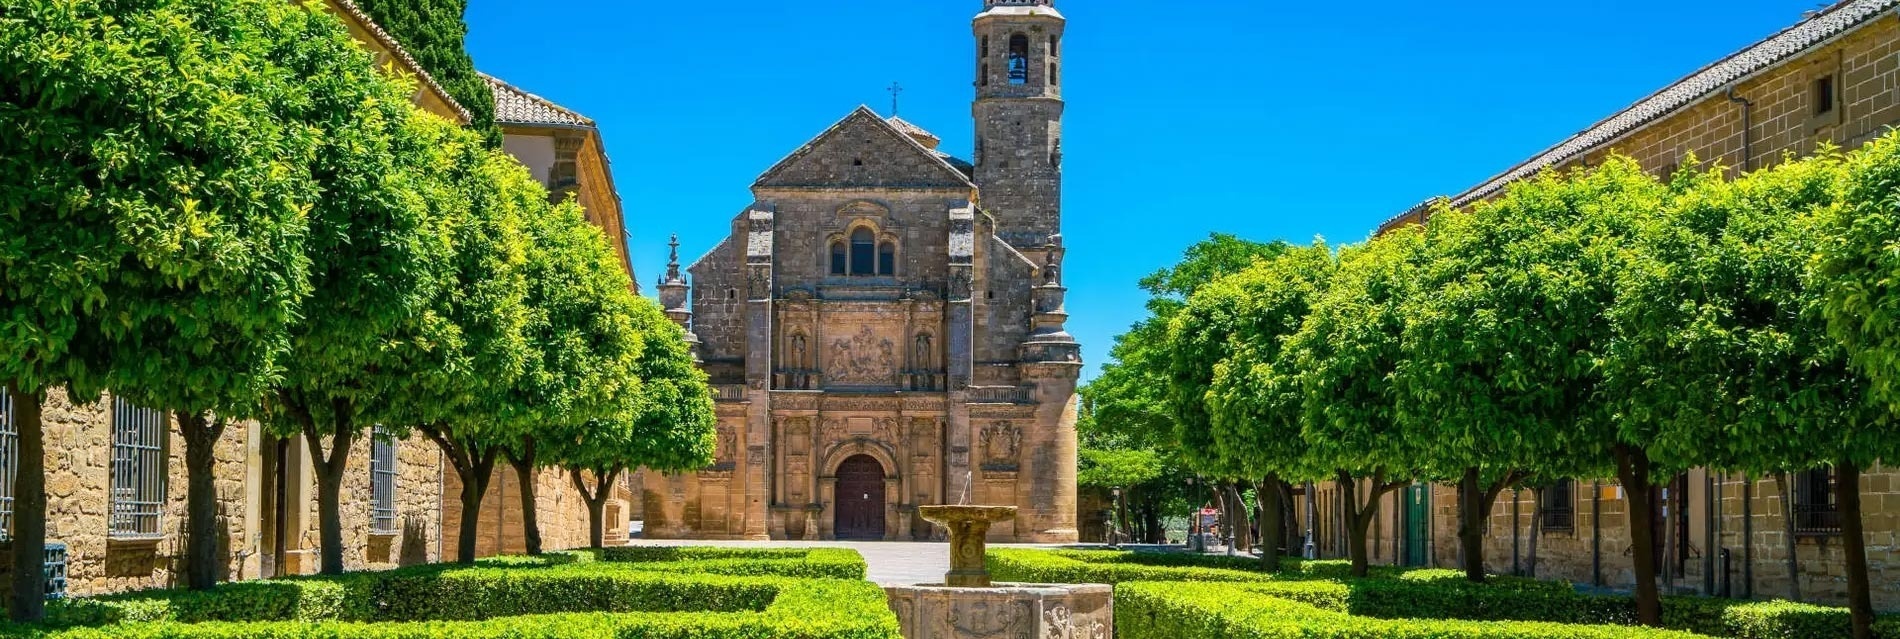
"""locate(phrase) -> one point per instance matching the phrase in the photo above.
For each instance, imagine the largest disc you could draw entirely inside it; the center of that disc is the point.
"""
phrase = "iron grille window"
(382, 483)
(138, 470)
(1815, 512)
(1559, 504)
(9, 462)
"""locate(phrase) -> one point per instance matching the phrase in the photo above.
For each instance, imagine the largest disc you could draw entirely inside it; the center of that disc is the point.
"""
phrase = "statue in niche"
(798, 436)
(728, 443)
(1001, 442)
(921, 358)
(798, 350)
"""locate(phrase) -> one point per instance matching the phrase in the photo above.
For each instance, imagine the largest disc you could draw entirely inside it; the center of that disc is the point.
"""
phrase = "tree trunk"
(596, 503)
(1537, 530)
(1471, 520)
(1242, 519)
(1787, 526)
(1860, 601)
(524, 472)
(1121, 516)
(29, 509)
(201, 434)
(1632, 468)
(475, 475)
(1272, 528)
(329, 469)
(1358, 515)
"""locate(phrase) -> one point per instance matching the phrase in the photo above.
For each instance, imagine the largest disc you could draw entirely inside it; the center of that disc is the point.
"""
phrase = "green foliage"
(1113, 567)
(625, 592)
(1228, 366)
(1723, 356)
(1862, 303)
(1145, 610)
(673, 426)
(154, 177)
(433, 31)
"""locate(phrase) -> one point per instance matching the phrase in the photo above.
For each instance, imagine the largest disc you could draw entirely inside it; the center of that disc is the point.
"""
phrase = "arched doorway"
(860, 494)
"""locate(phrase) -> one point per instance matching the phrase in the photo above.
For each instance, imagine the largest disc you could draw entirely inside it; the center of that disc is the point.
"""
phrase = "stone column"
(959, 358)
(754, 473)
(1052, 362)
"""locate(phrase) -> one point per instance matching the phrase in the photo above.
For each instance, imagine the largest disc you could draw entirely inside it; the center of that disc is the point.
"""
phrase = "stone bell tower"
(1018, 113)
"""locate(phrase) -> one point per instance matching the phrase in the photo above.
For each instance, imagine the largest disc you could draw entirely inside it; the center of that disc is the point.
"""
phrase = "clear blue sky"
(1261, 118)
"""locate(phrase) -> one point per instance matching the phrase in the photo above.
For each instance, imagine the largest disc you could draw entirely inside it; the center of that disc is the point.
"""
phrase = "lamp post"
(1114, 535)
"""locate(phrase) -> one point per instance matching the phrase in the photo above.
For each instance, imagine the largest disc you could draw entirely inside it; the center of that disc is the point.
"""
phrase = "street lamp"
(1114, 535)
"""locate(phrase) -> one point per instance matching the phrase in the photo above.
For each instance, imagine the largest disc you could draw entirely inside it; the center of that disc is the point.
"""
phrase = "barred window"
(382, 482)
(9, 462)
(1815, 511)
(138, 470)
(1559, 504)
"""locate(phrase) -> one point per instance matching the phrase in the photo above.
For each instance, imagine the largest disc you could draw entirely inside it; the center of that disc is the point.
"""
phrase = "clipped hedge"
(582, 594)
(1150, 610)
(811, 563)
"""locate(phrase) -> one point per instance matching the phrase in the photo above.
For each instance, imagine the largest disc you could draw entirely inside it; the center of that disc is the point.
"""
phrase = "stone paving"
(888, 563)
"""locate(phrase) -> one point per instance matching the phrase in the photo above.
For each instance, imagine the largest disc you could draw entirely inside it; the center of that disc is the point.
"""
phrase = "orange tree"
(1253, 399)
(1511, 341)
(1859, 295)
(582, 345)
(667, 426)
(159, 164)
(1345, 354)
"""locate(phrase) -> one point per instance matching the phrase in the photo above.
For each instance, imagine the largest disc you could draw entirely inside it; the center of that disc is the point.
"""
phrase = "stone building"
(884, 325)
(1833, 77)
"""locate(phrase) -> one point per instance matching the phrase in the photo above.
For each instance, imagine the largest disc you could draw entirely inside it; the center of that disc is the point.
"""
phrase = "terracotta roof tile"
(515, 106)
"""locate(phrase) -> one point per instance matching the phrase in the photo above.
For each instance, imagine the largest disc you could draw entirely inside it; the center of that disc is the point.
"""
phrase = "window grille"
(9, 462)
(138, 470)
(1559, 505)
(1815, 512)
(382, 483)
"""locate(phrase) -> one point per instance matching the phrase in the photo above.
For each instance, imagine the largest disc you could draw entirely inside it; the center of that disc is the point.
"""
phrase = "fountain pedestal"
(968, 606)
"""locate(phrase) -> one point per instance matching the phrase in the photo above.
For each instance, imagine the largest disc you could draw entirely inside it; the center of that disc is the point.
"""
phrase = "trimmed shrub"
(575, 594)
(1170, 610)
(811, 563)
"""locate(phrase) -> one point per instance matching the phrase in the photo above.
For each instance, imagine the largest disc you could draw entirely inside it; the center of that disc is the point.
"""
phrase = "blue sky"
(1261, 118)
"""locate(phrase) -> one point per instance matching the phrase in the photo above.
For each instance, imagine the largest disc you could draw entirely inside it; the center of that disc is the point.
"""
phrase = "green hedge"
(584, 594)
(1420, 595)
(1150, 610)
(812, 563)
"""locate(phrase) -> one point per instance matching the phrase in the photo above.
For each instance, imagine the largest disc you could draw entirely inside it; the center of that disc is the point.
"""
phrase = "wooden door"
(860, 495)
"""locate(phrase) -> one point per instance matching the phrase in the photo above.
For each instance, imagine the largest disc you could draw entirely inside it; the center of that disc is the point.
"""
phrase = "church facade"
(884, 325)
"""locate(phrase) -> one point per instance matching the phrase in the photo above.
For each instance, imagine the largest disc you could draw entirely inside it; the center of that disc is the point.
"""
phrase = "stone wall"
(79, 477)
(1595, 550)
(560, 511)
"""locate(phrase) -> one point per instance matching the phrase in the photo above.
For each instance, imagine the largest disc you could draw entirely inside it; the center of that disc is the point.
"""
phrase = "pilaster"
(758, 369)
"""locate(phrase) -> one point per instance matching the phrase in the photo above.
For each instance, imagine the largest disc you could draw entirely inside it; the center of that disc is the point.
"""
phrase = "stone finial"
(991, 4)
(672, 260)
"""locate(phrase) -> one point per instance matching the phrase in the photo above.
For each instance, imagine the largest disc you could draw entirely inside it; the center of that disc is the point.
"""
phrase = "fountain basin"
(969, 526)
(1004, 610)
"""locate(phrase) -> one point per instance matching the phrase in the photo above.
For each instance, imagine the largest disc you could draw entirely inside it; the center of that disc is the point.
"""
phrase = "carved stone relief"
(1002, 441)
(862, 359)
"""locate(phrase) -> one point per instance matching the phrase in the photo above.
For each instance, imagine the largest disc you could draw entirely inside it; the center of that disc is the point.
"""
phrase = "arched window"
(886, 259)
(837, 258)
(863, 252)
(1019, 59)
(1055, 45)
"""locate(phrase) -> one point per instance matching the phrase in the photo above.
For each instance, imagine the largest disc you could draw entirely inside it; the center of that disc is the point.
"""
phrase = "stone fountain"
(968, 606)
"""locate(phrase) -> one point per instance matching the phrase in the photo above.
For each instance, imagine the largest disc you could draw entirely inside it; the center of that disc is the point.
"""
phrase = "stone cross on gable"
(895, 89)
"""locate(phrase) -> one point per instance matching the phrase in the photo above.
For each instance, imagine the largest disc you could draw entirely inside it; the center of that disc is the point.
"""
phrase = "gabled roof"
(349, 10)
(1707, 82)
(515, 106)
(808, 167)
